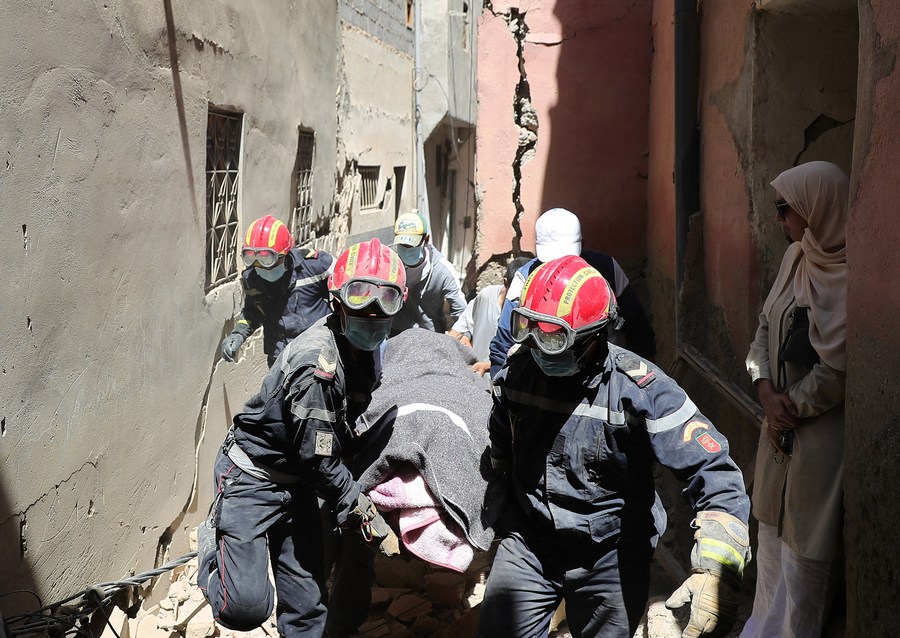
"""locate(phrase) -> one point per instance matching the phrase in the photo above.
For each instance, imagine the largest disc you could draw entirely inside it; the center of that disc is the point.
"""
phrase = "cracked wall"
(114, 399)
(563, 97)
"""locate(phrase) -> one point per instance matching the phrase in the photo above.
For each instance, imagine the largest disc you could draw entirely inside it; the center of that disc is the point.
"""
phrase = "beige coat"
(802, 496)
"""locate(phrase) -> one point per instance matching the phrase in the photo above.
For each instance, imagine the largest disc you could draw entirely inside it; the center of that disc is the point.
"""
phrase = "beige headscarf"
(819, 193)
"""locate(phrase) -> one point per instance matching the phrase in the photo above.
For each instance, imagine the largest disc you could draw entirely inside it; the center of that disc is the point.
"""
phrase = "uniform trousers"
(793, 593)
(259, 521)
(605, 586)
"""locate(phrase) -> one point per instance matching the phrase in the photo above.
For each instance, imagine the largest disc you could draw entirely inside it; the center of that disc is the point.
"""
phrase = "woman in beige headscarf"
(798, 363)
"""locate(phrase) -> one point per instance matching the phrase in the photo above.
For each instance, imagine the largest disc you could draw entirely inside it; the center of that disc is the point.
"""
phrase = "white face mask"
(271, 274)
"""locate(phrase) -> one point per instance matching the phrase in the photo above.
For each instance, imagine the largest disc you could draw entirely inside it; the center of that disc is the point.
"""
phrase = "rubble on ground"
(410, 599)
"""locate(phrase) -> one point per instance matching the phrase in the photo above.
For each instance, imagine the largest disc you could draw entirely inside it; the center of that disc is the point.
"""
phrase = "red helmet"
(366, 273)
(562, 300)
(266, 240)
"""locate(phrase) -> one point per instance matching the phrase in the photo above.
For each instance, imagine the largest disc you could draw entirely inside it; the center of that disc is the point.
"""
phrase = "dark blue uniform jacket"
(302, 420)
(580, 450)
(286, 307)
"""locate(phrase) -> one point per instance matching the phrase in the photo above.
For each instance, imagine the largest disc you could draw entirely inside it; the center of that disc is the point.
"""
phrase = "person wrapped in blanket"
(576, 426)
(425, 464)
(286, 446)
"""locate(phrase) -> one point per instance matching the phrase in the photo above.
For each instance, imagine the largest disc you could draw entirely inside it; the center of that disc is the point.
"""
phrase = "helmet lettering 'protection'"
(570, 289)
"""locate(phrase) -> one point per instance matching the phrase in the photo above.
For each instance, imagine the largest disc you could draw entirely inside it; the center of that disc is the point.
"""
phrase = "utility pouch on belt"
(722, 545)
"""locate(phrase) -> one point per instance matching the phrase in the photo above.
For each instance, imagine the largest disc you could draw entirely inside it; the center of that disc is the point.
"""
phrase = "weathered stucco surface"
(872, 451)
(574, 77)
(109, 362)
(377, 109)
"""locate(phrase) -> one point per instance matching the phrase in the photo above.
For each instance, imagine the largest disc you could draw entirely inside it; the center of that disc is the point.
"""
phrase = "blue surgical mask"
(271, 274)
(556, 365)
(411, 255)
(366, 333)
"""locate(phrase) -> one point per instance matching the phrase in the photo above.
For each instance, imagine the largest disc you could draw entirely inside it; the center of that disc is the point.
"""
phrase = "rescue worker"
(284, 288)
(576, 427)
(558, 233)
(431, 279)
(286, 446)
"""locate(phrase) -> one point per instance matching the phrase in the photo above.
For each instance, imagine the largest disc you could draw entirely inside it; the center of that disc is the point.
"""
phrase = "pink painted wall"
(731, 262)
(588, 67)
(872, 434)
(496, 137)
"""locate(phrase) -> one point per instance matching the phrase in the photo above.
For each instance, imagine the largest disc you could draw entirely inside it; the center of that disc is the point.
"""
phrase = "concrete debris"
(410, 599)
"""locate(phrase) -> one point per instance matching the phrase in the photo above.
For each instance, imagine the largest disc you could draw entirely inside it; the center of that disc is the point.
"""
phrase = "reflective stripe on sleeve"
(600, 412)
(313, 413)
(311, 280)
(678, 418)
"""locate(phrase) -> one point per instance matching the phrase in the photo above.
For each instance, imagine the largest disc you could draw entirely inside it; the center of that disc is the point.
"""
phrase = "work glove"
(230, 346)
(713, 604)
(373, 527)
(721, 549)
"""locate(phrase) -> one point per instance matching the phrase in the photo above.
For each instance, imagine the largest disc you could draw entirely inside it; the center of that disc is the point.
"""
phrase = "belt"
(252, 467)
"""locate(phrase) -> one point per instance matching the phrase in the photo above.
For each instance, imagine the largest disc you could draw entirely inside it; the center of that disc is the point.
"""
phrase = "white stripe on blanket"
(428, 407)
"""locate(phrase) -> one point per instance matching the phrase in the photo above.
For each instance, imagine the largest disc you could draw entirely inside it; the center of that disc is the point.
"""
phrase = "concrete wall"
(565, 87)
(447, 81)
(376, 123)
(109, 363)
(872, 452)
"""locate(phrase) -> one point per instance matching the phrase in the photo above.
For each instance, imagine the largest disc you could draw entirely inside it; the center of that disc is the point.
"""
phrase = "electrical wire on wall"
(72, 615)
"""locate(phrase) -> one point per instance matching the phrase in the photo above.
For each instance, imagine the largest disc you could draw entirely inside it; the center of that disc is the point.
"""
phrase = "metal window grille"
(301, 223)
(368, 191)
(223, 149)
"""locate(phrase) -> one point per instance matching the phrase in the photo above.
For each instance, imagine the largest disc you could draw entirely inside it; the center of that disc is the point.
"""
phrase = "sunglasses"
(782, 208)
(265, 257)
(357, 294)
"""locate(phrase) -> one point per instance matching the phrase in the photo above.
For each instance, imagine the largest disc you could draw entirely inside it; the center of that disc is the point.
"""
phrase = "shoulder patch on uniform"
(708, 443)
(692, 427)
(637, 370)
(312, 253)
(324, 443)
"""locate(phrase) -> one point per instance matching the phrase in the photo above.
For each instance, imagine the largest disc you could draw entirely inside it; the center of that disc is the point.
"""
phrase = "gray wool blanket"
(430, 411)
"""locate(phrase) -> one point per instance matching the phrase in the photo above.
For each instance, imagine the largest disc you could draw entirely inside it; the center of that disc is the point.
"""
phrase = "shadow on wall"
(596, 161)
(16, 578)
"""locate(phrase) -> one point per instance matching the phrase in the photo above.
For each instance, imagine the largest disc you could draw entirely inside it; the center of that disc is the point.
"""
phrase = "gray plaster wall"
(113, 399)
(382, 19)
(377, 129)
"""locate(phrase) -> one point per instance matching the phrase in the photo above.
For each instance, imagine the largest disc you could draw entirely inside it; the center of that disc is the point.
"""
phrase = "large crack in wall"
(23, 514)
(526, 119)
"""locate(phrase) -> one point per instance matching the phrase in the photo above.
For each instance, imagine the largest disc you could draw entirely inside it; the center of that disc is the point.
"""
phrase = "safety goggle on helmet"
(266, 241)
(369, 273)
(562, 301)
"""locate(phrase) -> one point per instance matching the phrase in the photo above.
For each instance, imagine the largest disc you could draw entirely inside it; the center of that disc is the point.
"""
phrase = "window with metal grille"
(368, 189)
(301, 224)
(223, 150)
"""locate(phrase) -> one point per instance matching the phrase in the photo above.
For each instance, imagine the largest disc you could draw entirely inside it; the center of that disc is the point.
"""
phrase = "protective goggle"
(357, 294)
(265, 257)
(551, 335)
